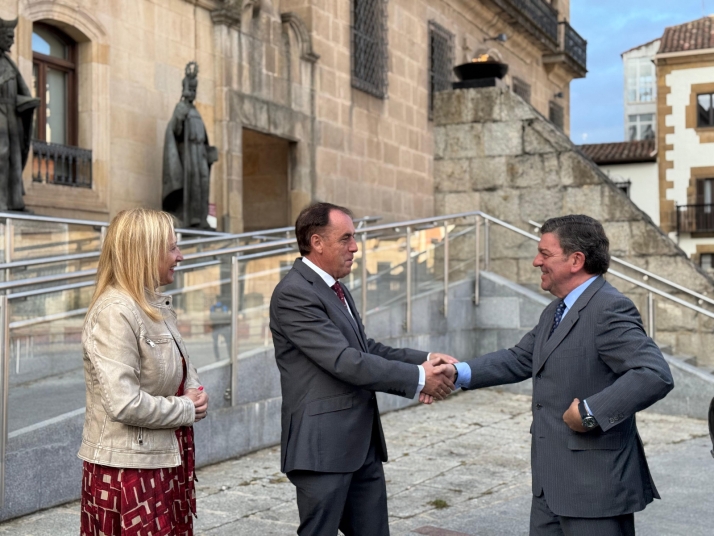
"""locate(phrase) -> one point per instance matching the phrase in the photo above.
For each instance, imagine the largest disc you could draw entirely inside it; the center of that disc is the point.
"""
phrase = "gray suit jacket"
(329, 371)
(601, 353)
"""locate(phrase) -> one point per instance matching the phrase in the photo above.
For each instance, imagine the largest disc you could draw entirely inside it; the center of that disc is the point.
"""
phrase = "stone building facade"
(304, 99)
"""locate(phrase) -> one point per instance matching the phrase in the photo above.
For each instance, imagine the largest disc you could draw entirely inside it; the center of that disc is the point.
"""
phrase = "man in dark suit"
(593, 368)
(332, 445)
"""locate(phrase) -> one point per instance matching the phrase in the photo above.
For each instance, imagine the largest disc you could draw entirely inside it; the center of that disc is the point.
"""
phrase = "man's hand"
(439, 380)
(425, 399)
(441, 359)
(573, 419)
(200, 401)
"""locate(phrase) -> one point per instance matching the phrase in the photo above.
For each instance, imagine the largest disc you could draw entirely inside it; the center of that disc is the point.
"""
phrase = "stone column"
(227, 172)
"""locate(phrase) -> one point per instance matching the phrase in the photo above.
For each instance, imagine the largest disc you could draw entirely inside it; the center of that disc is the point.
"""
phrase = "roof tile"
(695, 35)
(624, 152)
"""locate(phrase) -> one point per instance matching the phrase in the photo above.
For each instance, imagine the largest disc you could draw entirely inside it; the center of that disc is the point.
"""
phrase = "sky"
(611, 27)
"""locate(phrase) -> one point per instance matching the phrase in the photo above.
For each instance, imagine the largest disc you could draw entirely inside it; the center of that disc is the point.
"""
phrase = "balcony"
(572, 51)
(53, 163)
(537, 17)
(695, 219)
(575, 46)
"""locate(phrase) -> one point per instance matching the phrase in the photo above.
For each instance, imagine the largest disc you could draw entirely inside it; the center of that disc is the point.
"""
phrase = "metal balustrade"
(223, 296)
(697, 218)
(54, 163)
(537, 17)
(574, 46)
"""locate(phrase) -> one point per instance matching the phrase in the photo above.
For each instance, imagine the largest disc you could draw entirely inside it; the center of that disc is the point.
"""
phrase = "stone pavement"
(460, 466)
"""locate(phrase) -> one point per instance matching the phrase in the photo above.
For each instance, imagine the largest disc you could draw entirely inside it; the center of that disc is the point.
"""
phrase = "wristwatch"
(456, 373)
(589, 422)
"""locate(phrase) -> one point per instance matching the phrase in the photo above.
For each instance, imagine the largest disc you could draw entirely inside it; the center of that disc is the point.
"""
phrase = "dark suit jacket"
(601, 353)
(329, 371)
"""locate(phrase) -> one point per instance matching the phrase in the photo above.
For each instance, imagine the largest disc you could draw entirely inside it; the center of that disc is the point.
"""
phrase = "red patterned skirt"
(141, 502)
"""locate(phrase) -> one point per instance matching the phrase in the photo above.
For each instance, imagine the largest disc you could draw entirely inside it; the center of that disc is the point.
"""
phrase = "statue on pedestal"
(17, 106)
(187, 159)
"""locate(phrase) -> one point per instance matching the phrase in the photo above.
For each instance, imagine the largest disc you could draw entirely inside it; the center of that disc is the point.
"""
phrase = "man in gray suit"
(593, 368)
(332, 445)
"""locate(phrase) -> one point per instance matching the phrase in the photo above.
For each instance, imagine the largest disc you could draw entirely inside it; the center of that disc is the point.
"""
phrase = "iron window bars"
(556, 114)
(441, 60)
(522, 89)
(369, 47)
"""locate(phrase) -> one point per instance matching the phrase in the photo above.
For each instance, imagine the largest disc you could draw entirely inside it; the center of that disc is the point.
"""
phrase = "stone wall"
(280, 67)
(496, 153)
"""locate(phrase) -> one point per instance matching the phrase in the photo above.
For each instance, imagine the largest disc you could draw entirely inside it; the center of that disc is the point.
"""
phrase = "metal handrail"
(90, 223)
(650, 275)
(250, 248)
(263, 235)
(370, 229)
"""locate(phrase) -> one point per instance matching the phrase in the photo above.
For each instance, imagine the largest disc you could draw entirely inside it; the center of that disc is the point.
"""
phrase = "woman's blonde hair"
(136, 242)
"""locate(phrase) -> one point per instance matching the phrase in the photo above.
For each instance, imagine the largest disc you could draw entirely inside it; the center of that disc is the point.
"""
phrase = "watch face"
(589, 422)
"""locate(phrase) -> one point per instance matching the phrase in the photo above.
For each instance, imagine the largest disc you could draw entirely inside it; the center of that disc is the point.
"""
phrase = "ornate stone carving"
(229, 14)
(303, 36)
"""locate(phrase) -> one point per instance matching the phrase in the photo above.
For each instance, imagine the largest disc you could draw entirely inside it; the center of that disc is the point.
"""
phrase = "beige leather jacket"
(132, 370)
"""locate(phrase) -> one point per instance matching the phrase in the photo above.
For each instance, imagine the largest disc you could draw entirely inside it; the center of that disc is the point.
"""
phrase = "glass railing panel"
(258, 278)
(46, 372)
(36, 239)
(386, 257)
(462, 251)
(353, 281)
(427, 260)
(202, 301)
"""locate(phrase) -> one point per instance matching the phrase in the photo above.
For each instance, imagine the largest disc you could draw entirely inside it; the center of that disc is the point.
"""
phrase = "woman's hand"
(199, 397)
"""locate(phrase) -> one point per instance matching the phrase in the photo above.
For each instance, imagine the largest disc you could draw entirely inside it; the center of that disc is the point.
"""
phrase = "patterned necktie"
(340, 293)
(558, 316)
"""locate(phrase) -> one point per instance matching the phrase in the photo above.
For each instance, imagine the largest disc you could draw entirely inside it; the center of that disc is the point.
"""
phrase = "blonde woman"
(143, 394)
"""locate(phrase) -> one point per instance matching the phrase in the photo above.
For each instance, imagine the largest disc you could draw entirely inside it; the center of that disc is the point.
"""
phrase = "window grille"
(522, 89)
(369, 46)
(556, 114)
(441, 60)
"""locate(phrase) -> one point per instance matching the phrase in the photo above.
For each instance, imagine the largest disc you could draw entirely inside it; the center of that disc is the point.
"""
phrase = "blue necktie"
(558, 316)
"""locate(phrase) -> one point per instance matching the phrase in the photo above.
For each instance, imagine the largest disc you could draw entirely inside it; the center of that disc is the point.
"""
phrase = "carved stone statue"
(187, 159)
(17, 107)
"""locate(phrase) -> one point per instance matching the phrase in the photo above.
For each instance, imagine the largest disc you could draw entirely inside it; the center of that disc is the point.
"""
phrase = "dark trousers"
(545, 523)
(355, 503)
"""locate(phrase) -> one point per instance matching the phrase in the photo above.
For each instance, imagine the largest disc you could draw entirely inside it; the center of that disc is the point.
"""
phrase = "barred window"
(369, 46)
(522, 89)
(556, 114)
(441, 60)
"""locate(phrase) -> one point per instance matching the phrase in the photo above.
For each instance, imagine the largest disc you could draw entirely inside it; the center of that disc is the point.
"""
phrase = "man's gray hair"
(577, 232)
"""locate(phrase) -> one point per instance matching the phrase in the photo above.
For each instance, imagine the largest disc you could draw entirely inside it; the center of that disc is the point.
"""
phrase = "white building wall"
(687, 152)
(644, 188)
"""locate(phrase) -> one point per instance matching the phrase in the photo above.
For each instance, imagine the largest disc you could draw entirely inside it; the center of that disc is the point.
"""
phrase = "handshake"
(440, 375)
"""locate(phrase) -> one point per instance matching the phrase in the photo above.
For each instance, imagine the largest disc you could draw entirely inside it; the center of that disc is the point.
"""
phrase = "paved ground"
(461, 465)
